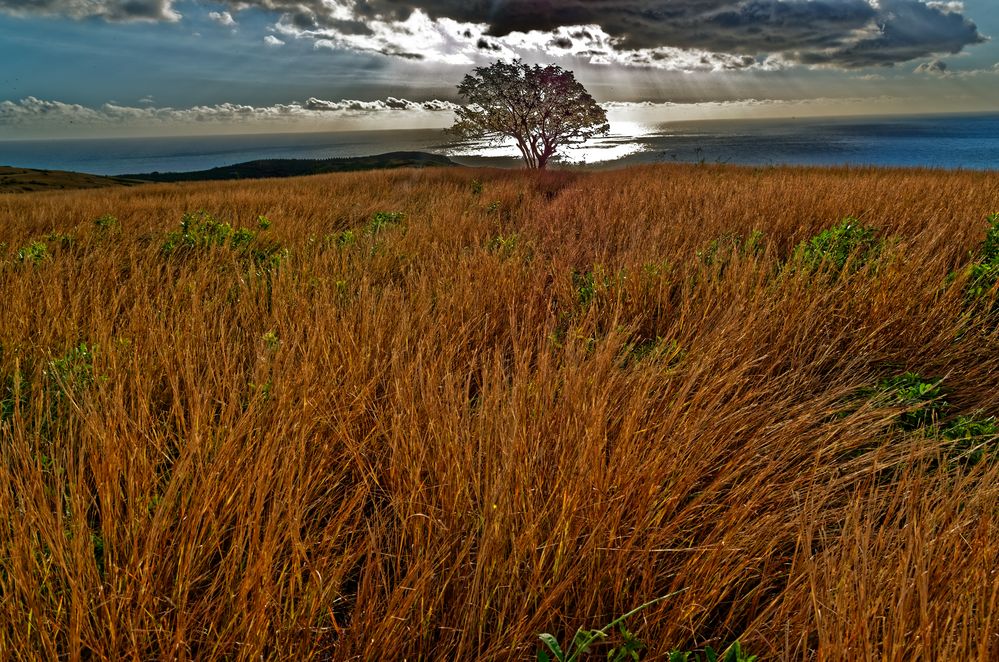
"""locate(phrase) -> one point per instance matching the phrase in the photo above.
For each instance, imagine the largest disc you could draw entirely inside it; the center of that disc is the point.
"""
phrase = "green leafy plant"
(476, 187)
(922, 399)
(75, 368)
(926, 412)
(848, 243)
(973, 436)
(589, 284)
(383, 220)
(585, 639)
(990, 247)
(733, 653)
(201, 229)
(983, 275)
(106, 223)
(504, 245)
(345, 238)
(271, 340)
(33, 253)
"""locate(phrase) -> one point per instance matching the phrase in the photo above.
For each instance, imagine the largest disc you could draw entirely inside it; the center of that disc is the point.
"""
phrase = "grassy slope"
(21, 180)
(435, 442)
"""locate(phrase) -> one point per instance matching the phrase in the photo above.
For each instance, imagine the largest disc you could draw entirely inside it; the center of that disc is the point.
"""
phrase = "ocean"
(956, 141)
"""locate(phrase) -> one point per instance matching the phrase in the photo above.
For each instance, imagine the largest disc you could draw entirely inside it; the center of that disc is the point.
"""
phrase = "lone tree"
(541, 108)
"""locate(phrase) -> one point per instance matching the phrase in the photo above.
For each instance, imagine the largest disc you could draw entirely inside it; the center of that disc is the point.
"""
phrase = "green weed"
(200, 230)
(33, 253)
(921, 398)
(733, 653)
(849, 243)
(584, 640)
(383, 220)
(106, 223)
(983, 275)
(926, 412)
(75, 368)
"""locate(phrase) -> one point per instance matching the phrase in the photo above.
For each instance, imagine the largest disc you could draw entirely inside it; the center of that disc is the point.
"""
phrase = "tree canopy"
(541, 108)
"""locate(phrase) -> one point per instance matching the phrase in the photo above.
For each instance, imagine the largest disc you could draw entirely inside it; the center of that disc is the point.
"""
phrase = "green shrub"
(990, 247)
(926, 412)
(74, 369)
(504, 245)
(589, 284)
(984, 273)
(848, 243)
(33, 253)
(106, 223)
(345, 238)
(972, 436)
(734, 653)
(922, 399)
(383, 220)
(200, 230)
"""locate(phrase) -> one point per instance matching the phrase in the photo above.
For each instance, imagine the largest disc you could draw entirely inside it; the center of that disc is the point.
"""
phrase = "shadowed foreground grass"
(432, 414)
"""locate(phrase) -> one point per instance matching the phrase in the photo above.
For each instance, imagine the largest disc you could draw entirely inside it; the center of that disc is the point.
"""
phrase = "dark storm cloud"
(840, 33)
(846, 33)
(906, 30)
(935, 67)
(109, 10)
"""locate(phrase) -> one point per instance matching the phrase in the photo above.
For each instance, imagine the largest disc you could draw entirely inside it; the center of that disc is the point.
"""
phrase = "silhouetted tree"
(541, 108)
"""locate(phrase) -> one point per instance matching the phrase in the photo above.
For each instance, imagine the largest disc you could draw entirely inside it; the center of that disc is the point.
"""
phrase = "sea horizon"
(948, 141)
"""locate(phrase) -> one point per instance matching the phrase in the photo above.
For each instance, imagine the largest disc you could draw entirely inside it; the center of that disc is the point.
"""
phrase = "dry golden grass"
(428, 445)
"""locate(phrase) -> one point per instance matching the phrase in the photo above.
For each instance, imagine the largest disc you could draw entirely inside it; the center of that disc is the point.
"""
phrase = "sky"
(75, 68)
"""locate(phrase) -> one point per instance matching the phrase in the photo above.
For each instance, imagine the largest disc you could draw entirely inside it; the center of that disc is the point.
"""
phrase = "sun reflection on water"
(624, 139)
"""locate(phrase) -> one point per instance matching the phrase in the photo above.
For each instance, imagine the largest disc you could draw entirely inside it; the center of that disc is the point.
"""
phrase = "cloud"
(933, 67)
(32, 112)
(680, 35)
(224, 18)
(836, 33)
(390, 103)
(108, 10)
(940, 69)
(271, 40)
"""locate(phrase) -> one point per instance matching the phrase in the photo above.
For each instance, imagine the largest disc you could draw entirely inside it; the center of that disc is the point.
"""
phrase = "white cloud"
(224, 18)
(33, 115)
(271, 40)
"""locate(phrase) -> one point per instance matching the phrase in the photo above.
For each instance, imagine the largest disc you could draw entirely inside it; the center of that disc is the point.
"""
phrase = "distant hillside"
(297, 167)
(21, 180)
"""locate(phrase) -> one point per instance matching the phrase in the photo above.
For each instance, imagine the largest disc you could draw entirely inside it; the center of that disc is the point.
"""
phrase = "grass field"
(433, 414)
(21, 180)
